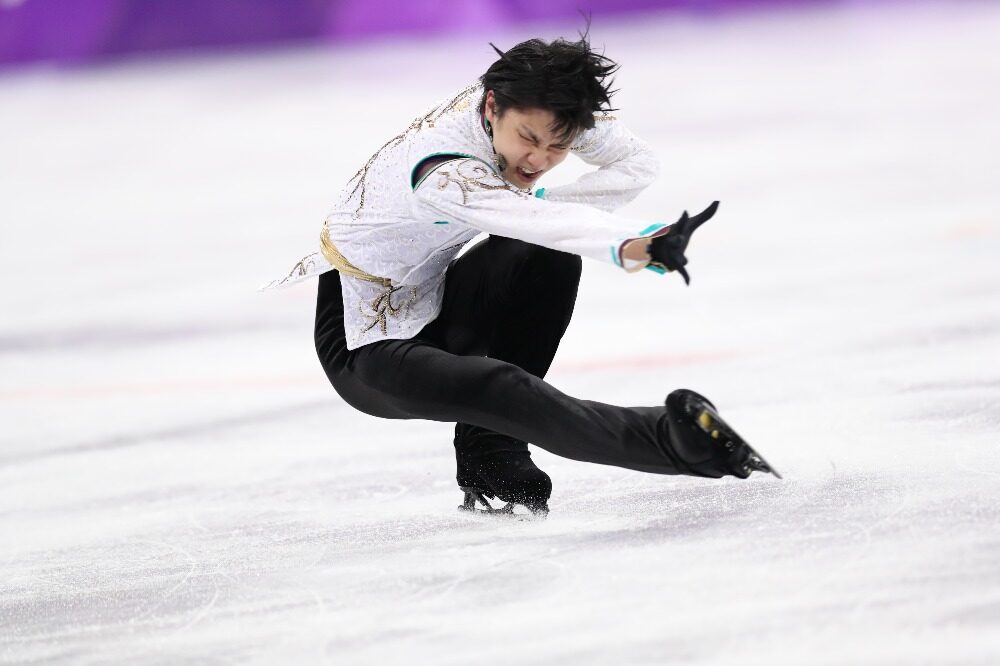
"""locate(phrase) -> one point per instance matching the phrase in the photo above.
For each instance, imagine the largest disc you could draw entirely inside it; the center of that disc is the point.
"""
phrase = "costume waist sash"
(340, 262)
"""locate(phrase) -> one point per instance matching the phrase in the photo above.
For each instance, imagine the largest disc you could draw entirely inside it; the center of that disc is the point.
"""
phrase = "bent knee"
(367, 389)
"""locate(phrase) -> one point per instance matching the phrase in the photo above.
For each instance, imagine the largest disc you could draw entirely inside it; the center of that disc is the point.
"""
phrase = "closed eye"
(559, 147)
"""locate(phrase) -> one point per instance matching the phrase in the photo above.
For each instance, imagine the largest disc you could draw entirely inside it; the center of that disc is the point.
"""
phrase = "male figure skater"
(406, 331)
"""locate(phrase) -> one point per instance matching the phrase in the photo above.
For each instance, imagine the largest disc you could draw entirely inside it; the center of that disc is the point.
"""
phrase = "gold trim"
(360, 179)
(381, 306)
(473, 174)
(340, 262)
(301, 269)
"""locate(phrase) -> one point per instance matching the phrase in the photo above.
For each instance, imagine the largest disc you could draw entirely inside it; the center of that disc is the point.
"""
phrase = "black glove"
(667, 250)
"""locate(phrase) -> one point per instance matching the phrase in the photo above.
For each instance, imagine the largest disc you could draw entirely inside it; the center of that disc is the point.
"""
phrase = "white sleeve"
(626, 164)
(468, 191)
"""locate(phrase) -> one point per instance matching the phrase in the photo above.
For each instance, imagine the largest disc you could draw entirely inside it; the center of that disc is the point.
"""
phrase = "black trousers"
(482, 362)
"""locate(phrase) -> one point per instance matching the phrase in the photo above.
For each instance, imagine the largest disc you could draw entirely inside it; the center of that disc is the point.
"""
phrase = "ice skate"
(706, 444)
(501, 469)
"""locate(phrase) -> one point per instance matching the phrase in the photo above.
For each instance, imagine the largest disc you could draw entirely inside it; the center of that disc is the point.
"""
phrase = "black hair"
(566, 78)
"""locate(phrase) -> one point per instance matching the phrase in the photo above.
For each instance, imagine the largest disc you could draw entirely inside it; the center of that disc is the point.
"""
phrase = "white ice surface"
(179, 483)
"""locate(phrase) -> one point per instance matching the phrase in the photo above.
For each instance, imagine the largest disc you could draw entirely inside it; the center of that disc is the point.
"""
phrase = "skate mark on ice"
(502, 581)
(902, 502)
(826, 525)
(644, 362)
(200, 614)
(360, 488)
(98, 391)
(684, 510)
(957, 385)
(920, 336)
(103, 591)
(166, 434)
(959, 411)
(151, 611)
(121, 336)
(95, 391)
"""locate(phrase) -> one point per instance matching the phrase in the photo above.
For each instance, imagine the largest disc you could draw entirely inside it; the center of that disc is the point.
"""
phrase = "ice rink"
(180, 484)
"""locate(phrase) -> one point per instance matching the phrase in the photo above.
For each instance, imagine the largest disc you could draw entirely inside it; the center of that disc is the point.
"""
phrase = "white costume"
(393, 238)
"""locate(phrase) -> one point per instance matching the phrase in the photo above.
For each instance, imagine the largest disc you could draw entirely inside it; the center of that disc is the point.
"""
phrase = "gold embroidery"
(382, 308)
(587, 145)
(470, 175)
(362, 175)
(459, 102)
(591, 138)
(302, 268)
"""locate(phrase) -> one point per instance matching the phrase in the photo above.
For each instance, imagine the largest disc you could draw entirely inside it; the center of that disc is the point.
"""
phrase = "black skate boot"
(496, 466)
(705, 443)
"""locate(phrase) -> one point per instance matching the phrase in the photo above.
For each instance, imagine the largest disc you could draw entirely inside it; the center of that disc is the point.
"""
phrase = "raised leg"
(420, 379)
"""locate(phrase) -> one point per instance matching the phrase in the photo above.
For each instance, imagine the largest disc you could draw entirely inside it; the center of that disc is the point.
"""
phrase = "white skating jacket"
(393, 237)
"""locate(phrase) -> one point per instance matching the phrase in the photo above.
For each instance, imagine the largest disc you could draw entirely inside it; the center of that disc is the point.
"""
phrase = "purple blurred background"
(81, 31)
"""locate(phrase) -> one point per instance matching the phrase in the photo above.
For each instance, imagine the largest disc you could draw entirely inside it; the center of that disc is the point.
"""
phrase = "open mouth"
(528, 175)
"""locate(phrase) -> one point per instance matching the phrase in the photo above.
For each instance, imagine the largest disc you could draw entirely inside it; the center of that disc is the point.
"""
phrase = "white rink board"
(180, 484)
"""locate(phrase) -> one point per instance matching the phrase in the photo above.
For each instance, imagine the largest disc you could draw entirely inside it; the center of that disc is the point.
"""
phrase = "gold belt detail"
(340, 262)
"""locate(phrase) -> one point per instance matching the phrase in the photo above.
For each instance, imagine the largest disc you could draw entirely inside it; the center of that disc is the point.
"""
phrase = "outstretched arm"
(468, 191)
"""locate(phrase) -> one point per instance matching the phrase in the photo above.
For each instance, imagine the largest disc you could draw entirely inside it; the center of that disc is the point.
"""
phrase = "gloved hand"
(667, 250)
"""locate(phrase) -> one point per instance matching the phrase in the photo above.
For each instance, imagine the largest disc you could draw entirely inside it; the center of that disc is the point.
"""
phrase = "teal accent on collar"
(416, 167)
(441, 222)
(656, 269)
(483, 122)
(540, 193)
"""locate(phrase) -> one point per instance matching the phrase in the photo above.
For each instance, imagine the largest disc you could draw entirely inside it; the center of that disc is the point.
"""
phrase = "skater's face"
(525, 140)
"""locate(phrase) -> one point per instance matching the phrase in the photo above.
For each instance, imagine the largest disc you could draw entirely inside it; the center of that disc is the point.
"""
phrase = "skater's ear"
(490, 109)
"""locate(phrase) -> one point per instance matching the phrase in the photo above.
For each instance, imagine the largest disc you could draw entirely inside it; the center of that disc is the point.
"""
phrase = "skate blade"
(468, 505)
(712, 424)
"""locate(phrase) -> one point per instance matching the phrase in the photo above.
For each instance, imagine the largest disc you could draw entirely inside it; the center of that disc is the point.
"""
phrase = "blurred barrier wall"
(78, 31)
